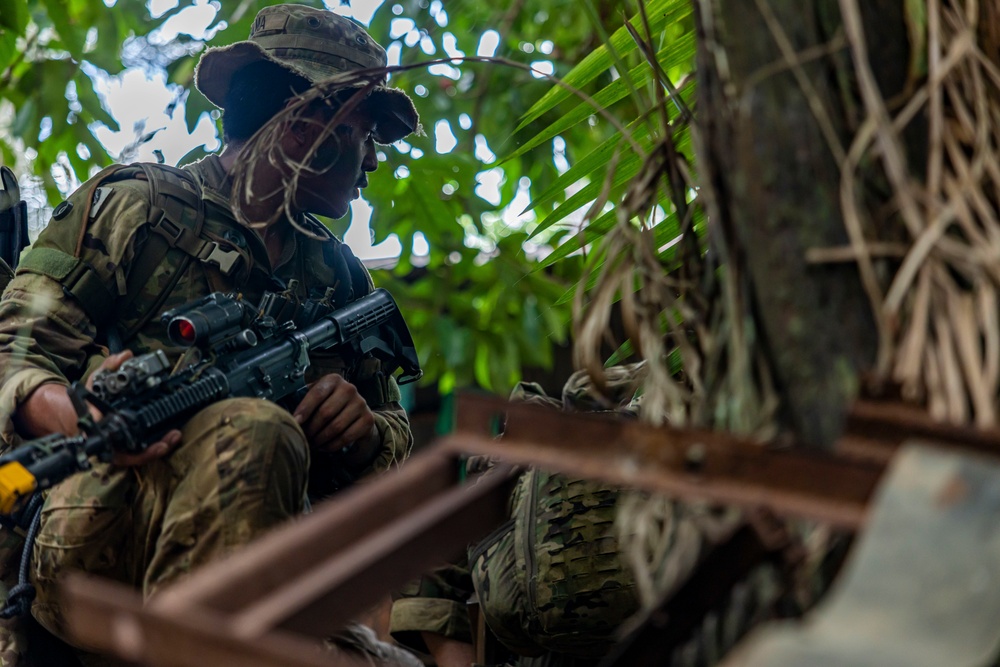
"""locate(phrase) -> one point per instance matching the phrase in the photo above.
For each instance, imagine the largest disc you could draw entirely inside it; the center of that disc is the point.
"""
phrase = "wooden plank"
(875, 430)
(307, 578)
(326, 596)
(311, 576)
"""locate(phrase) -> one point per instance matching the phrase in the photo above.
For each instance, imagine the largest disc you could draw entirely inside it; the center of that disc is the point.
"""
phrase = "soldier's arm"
(46, 335)
(431, 614)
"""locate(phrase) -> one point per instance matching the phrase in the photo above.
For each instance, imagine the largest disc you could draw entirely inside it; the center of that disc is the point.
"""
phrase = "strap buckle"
(224, 259)
(166, 227)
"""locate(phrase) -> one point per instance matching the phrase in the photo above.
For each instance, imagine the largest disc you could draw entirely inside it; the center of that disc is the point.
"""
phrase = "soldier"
(136, 240)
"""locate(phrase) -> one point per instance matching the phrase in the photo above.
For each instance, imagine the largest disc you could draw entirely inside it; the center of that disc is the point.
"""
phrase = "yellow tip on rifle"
(15, 483)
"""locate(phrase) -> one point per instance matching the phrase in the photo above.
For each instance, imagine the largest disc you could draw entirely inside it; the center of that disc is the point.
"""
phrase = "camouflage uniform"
(436, 602)
(244, 464)
(554, 583)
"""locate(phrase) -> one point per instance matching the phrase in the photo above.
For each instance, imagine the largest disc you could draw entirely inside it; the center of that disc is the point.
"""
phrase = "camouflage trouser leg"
(240, 469)
(13, 644)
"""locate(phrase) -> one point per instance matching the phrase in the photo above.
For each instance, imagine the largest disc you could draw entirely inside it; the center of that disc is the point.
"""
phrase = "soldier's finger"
(315, 397)
(343, 400)
(357, 424)
(358, 430)
(115, 360)
(157, 450)
(331, 432)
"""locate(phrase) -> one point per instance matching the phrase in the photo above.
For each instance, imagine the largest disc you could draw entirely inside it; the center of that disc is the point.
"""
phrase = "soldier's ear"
(306, 128)
(300, 132)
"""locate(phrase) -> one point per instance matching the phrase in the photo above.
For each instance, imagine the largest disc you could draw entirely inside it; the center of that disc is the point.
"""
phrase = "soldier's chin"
(329, 209)
(336, 210)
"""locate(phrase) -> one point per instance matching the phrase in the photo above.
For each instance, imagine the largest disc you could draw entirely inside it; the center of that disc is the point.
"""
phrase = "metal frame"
(267, 605)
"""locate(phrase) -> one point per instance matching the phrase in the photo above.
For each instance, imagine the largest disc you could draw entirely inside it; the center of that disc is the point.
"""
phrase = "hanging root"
(939, 320)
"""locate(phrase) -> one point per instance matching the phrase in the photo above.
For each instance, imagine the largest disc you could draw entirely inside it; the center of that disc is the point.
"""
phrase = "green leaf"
(627, 168)
(181, 71)
(71, 35)
(91, 103)
(664, 232)
(13, 16)
(613, 92)
(916, 25)
(8, 48)
(26, 120)
(597, 159)
(660, 13)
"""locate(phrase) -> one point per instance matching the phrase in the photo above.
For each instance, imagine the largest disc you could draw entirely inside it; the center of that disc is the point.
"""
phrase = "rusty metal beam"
(876, 429)
(266, 605)
(686, 463)
(302, 581)
(300, 546)
(109, 617)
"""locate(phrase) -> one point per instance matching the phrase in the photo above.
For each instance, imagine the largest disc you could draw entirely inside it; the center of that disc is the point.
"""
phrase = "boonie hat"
(315, 44)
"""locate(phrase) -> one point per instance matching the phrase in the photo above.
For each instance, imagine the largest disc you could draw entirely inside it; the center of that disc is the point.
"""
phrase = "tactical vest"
(194, 226)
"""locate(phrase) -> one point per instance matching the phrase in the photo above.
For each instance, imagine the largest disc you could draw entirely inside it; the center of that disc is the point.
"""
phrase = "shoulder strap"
(77, 277)
(175, 213)
(176, 219)
(361, 280)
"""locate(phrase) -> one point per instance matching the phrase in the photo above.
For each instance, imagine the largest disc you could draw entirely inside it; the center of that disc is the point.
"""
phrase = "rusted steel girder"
(680, 462)
(270, 604)
(267, 605)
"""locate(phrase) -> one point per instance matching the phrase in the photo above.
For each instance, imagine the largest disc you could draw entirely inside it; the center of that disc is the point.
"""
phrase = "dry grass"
(939, 329)
(937, 319)
(725, 382)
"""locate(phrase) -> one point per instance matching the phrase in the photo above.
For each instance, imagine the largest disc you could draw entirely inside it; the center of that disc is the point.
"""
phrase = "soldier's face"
(339, 166)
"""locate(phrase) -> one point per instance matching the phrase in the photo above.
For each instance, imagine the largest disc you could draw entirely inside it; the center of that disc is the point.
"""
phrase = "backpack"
(552, 578)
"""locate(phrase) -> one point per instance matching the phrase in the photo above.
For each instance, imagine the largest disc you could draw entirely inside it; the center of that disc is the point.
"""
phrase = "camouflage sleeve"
(394, 435)
(45, 335)
(437, 602)
(329, 472)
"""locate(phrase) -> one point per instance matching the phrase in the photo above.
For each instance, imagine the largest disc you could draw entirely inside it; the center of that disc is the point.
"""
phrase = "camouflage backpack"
(551, 578)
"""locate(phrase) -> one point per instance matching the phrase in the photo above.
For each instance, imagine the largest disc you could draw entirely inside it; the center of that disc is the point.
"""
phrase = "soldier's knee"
(254, 423)
(249, 443)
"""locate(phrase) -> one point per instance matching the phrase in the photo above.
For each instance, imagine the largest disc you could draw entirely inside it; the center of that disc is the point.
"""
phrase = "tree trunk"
(774, 126)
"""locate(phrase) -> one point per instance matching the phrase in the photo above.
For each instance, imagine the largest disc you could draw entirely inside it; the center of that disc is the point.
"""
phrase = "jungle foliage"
(493, 295)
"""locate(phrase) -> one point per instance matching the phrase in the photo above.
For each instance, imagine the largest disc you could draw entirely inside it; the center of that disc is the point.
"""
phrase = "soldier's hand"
(156, 450)
(49, 410)
(335, 416)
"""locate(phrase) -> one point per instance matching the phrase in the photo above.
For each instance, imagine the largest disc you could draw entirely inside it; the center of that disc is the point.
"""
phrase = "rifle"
(235, 350)
(13, 221)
